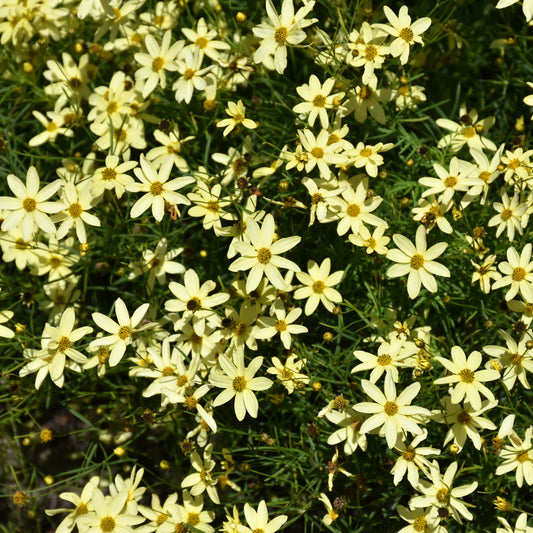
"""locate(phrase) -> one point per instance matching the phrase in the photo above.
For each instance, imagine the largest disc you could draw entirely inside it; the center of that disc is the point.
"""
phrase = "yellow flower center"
(522, 457)
(365, 93)
(214, 207)
(353, 210)
(339, 402)
(318, 287)
(161, 518)
(109, 174)
(467, 376)
(239, 329)
(371, 243)
(464, 417)
(417, 261)
(63, 344)
(21, 245)
(485, 175)
(420, 522)
(182, 380)
(107, 524)
(365, 152)
(409, 454)
(124, 332)
(167, 371)
(384, 359)
(468, 132)
(157, 64)
(281, 34)
(181, 528)
(513, 164)
(316, 198)
(188, 74)
(519, 274)
(112, 107)
(319, 100)
(506, 214)
(450, 182)
(281, 325)
(156, 188)
(29, 204)
(190, 403)
(264, 255)
(55, 261)
(103, 354)
(202, 42)
(193, 519)
(75, 210)
(51, 126)
(390, 408)
(239, 384)
(442, 495)
(406, 34)
(82, 509)
(371, 52)
(317, 152)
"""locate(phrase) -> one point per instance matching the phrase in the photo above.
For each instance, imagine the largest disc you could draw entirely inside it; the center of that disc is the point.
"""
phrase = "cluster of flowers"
(202, 344)
(121, 509)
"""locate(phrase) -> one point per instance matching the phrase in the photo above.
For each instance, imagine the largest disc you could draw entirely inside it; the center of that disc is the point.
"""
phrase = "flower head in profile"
(239, 383)
(259, 521)
(417, 261)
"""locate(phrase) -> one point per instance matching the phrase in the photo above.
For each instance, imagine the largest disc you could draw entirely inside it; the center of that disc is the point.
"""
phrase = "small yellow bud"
(48, 479)
(164, 464)
(84, 248)
(317, 386)
(209, 105)
(26, 441)
(283, 185)
(456, 214)
(502, 504)
(78, 47)
(328, 336)
(240, 17)
(454, 448)
(27, 67)
(20, 498)
(119, 451)
(410, 162)
(519, 124)
(203, 253)
(46, 435)
(19, 328)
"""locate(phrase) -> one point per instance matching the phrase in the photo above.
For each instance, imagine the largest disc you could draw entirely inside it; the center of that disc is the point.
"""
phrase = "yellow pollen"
(120, 135)
(332, 139)
(468, 132)
(319, 100)
(316, 198)
(193, 519)
(75, 210)
(519, 274)
(214, 207)
(522, 457)
(409, 454)
(516, 359)
(467, 376)
(390, 408)
(417, 261)
(51, 126)
(190, 403)
(371, 52)
(182, 381)
(112, 107)
(371, 243)
(258, 530)
(107, 524)
(264, 255)
(406, 34)
(29, 204)
(450, 181)
(420, 523)
(161, 518)
(485, 176)
(63, 344)
(286, 373)
(181, 528)
(156, 188)
(82, 509)
(109, 174)
(340, 403)
(515, 163)
(442, 495)
(281, 325)
(318, 287)
(103, 354)
(353, 210)
(188, 74)
(117, 13)
(365, 93)
(55, 261)
(281, 34)
(384, 359)
(239, 384)
(21, 245)
(317, 152)
(404, 89)
(239, 329)
(157, 64)
(124, 332)
(506, 214)
(202, 42)
(366, 152)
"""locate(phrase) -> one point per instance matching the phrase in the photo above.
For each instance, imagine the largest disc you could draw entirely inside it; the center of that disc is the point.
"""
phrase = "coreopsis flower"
(318, 286)
(406, 33)
(465, 421)
(460, 177)
(239, 383)
(55, 259)
(204, 40)
(237, 113)
(469, 380)
(289, 373)
(239, 327)
(367, 156)
(331, 515)
(440, 493)
(515, 360)
(112, 176)
(356, 209)
(157, 188)
(193, 299)
(158, 513)
(82, 505)
(518, 272)
(510, 215)
(375, 242)
(466, 132)
(390, 410)
(261, 254)
(108, 514)
(29, 209)
(521, 522)
(320, 152)
(518, 455)
(54, 125)
(202, 480)
(171, 143)
(189, 65)
(259, 520)
(426, 520)
(210, 204)
(317, 99)
(131, 484)
(527, 7)
(485, 272)
(431, 214)
(389, 358)
(320, 191)
(192, 513)
(365, 100)
(412, 460)
(282, 323)
(281, 31)
(158, 59)
(78, 201)
(121, 331)
(417, 261)
(349, 432)
(518, 166)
